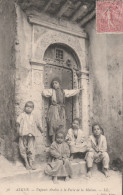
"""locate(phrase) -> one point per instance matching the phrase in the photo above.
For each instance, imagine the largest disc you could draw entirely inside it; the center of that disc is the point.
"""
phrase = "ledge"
(34, 20)
(37, 62)
(37, 65)
(85, 72)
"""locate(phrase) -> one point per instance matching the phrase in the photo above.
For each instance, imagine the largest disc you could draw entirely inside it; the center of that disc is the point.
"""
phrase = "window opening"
(59, 54)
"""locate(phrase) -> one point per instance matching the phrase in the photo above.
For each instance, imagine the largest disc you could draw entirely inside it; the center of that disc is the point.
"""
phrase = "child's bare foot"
(106, 173)
(27, 166)
(32, 165)
(67, 178)
(89, 174)
(71, 158)
(55, 181)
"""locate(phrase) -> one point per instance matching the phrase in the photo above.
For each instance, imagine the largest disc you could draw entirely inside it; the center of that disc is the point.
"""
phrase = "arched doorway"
(62, 62)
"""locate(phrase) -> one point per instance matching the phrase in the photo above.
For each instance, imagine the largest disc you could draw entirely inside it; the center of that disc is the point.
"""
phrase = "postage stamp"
(109, 16)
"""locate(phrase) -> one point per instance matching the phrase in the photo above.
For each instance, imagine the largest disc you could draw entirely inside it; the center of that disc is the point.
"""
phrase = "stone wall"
(7, 77)
(106, 98)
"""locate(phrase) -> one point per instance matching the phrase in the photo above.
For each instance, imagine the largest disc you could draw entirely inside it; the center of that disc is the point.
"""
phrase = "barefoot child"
(26, 126)
(60, 153)
(76, 139)
(97, 151)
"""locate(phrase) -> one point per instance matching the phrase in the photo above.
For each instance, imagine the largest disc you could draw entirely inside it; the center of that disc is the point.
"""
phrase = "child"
(26, 126)
(76, 139)
(60, 153)
(97, 151)
(56, 113)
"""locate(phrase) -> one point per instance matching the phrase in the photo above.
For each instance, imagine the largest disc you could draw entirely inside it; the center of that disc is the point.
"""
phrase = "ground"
(16, 179)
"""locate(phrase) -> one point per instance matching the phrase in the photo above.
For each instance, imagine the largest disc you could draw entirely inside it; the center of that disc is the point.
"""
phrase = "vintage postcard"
(61, 97)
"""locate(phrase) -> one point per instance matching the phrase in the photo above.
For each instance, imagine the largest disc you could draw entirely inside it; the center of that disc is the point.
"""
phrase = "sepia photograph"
(61, 97)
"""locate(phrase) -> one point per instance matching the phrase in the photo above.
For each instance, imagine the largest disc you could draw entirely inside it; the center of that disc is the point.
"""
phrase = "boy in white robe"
(97, 151)
(26, 127)
(76, 139)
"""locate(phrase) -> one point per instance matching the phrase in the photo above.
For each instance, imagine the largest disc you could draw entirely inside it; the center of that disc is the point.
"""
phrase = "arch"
(66, 49)
(50, 37)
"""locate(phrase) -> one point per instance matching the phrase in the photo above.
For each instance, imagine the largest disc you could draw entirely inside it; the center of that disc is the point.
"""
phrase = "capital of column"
(37, 65)
(84, 75)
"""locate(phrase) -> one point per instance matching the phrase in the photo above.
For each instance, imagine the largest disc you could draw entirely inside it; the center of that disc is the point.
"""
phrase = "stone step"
(27, 175)
(21, 174)
(79, 168)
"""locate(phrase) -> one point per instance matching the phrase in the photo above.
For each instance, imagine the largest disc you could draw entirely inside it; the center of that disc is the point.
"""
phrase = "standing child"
(60, 153)
(56, 116)
(76, 139)
(97, 151)
(26, 126)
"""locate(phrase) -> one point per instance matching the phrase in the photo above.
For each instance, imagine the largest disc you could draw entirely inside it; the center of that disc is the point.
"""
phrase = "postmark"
(109, 16)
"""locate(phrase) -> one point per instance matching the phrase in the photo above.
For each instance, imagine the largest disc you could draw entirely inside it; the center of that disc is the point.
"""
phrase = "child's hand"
(97, 150)
(100, 153)
(97, 160)
(40, 128)
(19, 131)
(81, 89)
(68, 139)
(41, 131)
(82, 140)
(64, 158)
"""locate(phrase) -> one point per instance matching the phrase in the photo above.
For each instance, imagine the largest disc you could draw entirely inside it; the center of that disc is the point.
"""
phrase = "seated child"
(60, 165)
(26, 126)
(76, 139)
(97, 151)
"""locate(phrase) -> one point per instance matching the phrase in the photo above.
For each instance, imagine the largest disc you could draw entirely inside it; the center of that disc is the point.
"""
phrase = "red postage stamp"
(109, 15)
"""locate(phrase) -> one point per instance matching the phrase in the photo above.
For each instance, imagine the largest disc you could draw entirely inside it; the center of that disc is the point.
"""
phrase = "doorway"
(62, 62)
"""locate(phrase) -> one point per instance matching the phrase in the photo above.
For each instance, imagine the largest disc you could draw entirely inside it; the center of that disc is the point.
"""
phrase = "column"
(85, 102)
(37, 88)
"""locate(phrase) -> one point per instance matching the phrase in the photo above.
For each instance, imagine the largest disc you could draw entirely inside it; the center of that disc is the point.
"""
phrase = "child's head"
(97, 129)
(29, 106)
(60, 137)
(75, 124)
(55, 83)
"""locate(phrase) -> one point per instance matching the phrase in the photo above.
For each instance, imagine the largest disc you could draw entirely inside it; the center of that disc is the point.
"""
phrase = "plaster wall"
(106, 98)
(26, 90)
(7, 77)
